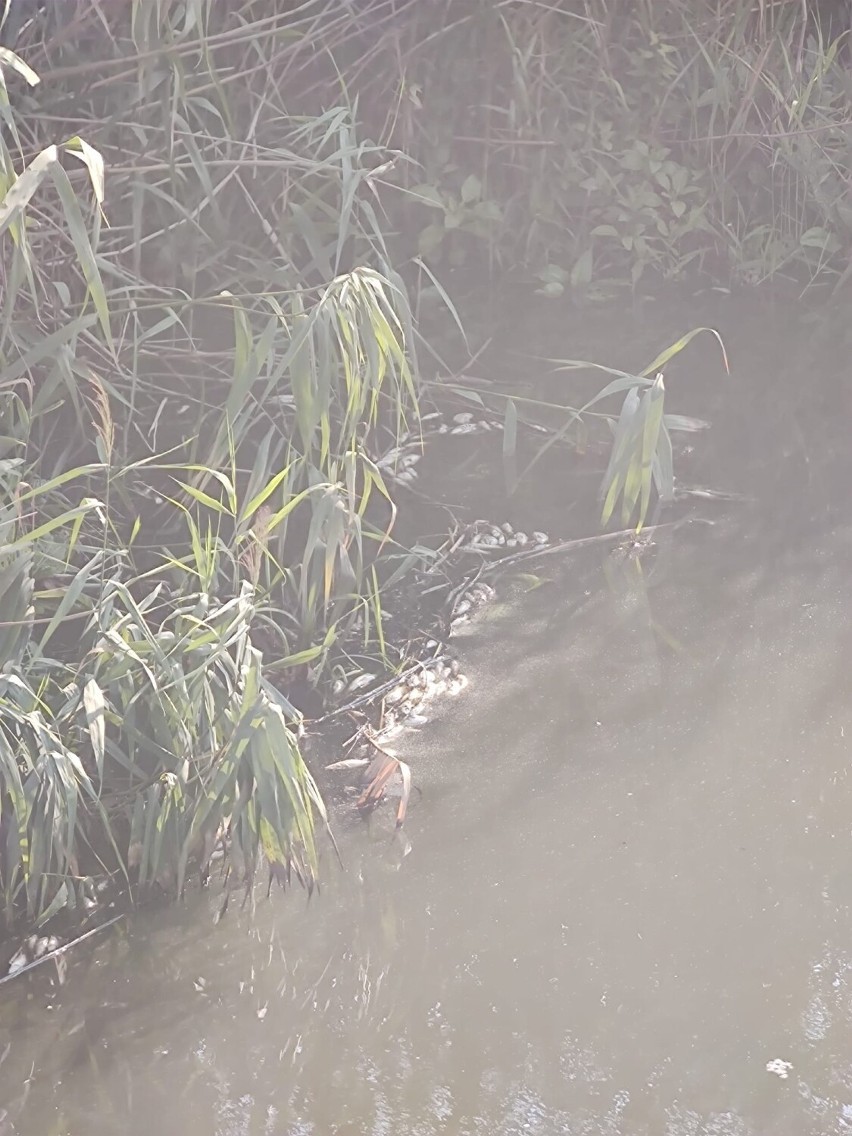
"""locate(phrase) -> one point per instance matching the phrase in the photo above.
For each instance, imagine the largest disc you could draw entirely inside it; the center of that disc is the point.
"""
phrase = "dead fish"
(360, 681)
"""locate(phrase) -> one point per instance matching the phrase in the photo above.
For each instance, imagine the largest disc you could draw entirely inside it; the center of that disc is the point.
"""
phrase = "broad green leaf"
(93, 703)
(620, 457)
(675, 349)
(21, 192)
(251, 506)
(93, 162)
(471, 189)
(204, 498)
(650, 440)
(83, 247)
(9, 59)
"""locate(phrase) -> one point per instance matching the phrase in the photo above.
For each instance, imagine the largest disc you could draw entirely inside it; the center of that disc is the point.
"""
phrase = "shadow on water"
(627, 907)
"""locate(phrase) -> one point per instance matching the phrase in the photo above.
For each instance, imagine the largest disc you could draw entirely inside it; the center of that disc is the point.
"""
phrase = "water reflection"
(626, 910)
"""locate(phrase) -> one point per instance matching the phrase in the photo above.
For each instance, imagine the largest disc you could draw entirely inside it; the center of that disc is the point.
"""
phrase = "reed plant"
(203, 343)
(212, 216)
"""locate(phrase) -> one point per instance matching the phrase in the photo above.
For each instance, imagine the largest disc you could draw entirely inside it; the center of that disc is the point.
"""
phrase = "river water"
(627, 908)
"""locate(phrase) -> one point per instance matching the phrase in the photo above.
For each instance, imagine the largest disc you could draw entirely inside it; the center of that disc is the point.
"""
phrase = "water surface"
(627, 905)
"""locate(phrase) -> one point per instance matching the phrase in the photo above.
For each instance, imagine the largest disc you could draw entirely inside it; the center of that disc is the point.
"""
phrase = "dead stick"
(61, 950)
(581, 542)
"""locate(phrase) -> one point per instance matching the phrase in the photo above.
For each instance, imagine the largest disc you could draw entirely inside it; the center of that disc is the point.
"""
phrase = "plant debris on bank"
(226, 229)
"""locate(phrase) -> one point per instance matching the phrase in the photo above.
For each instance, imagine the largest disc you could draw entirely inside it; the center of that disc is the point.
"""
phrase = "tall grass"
(596, 145)
(203, 342)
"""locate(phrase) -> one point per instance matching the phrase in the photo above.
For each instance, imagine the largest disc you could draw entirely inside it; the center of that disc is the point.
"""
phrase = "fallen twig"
(61, 950)
(583, 541)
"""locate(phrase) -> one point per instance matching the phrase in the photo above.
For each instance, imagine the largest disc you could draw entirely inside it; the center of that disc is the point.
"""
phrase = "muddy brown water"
(626, 909)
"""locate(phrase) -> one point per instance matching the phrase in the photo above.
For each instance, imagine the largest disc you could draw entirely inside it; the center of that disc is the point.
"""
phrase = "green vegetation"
(596, 144)
(201, 335)
(213, 216)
